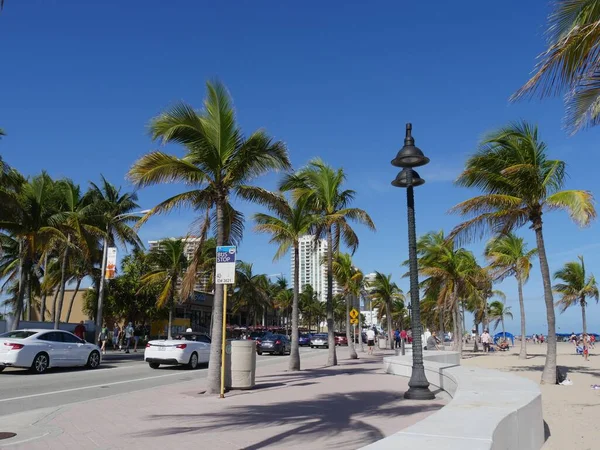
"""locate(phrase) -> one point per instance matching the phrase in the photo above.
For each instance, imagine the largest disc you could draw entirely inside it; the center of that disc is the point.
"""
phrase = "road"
(118, 374)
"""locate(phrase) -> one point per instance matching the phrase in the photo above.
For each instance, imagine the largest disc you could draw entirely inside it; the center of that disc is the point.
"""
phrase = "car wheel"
(40, 363)
(2, 368)
(193, 364)
(154, 365)
(93, 360)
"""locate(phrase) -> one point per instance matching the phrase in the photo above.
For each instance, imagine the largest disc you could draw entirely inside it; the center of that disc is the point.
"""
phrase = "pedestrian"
(592, 341)
(409, 336)
(370, 340)
(486, 340)
(397, 337)
(80, 330)
(137, 333)
(103, 338)
(128, 336)
(403, 336)
(115, 337)
(427, 334)
(432, 342)
(586, 347)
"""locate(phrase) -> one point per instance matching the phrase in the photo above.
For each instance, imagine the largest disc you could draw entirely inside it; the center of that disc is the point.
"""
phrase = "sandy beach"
(570, 412)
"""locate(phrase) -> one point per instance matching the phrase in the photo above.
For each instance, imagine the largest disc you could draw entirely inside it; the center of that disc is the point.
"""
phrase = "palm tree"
(519, 184)
(309, 305)
(290, 222)
(576, 287)
(498, 312)
(570, 64)
(350, 279)
(384, 292)
(169, 263)
(219, 162)
(321, 187)
(508, 256)
(251, 291)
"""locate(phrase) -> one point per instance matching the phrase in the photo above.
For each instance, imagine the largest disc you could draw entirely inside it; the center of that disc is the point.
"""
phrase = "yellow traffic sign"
(353, 313)
(353, 321)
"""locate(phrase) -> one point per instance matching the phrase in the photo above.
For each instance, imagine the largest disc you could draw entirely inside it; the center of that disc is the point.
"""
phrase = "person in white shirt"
(426, 335)
(370, 340)
(486, 340)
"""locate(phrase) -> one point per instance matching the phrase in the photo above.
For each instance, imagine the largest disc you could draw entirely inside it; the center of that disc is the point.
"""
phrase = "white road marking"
(89, 387)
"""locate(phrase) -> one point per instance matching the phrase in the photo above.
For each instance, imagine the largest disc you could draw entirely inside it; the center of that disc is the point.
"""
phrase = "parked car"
(319, 340)
(276, 344)
(39, 350)
(304, 339)
(258, 337)
(341, 339)
(191, 349)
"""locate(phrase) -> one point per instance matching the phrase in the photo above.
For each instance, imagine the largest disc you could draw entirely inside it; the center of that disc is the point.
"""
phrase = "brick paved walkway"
(345, 407)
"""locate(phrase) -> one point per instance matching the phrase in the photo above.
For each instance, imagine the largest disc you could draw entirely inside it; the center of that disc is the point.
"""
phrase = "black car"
(258, 337)
(276, 344)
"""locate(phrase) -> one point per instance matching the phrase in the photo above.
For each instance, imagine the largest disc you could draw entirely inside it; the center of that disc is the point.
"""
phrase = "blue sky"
(80, 80)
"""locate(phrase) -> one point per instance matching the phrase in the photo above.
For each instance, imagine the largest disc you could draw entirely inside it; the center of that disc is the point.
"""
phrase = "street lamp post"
(99, 312)
(407, 158)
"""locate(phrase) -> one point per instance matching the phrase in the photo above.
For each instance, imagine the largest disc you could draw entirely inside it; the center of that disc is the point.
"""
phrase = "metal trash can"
(240, 364)
(382, 342)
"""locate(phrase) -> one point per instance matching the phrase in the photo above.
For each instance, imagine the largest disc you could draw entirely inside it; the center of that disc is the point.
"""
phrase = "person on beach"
(592, 341)
(586, 347)
(370, 340)
(432, 342)
(486, 340)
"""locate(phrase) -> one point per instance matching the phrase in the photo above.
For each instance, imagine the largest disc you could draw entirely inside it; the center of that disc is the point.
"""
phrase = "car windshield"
(17, 334)
(320, 336)
(257, 334)
(305, 335)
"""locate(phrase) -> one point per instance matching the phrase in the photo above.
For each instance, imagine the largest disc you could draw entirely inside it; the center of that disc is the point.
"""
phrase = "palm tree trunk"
(583, 318)
(44, 292)
(549, 373)
(63, 282)
(295, 352)
(169, 333)
(213, 379)
(332, 355)
(54, 303)
(388, 319)
(349, 334)
(523, 351)
(28, 301)
(73, 300)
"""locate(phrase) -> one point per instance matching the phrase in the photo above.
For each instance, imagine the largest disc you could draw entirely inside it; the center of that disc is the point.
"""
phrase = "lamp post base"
(418, 386)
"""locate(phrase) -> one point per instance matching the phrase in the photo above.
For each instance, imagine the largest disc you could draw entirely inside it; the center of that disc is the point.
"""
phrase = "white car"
(39, 350)
(191, 350)
(319, 340)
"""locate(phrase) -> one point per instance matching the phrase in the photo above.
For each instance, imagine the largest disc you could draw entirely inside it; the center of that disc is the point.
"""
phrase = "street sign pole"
(225, 275)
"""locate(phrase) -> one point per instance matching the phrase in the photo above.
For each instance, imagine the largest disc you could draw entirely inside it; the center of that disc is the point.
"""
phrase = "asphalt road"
(118, 374)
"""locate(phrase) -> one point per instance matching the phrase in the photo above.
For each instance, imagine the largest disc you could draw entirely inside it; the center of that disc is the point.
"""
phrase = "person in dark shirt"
(80, 330)
(137, 333)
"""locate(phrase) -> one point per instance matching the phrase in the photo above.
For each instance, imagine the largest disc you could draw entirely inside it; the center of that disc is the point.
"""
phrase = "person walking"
(370, 340)
(115, 336)
(397, 337)
(128, 336)
(403, 336)
(486, 340)
(137, 333)
(80, 330)
(586, 347)
(103, 338)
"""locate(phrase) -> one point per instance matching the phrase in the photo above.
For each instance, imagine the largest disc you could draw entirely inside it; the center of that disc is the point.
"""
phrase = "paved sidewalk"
(347, 406)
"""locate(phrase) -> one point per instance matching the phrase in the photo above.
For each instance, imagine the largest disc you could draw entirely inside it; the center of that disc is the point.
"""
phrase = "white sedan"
(191, 350)
(38, 350)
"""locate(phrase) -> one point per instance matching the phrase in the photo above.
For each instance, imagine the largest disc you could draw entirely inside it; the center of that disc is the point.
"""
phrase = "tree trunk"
(442, 320)
(332, 355)
(584, 321)
(349, 334)
(360, 325)
(73, 299)
(549, 373)
(213, 379)
(523, 351)
(63, 282)
(54, 303)
(390, 328)
(170, 326)
(44, 292)
(295, 352)
(29, 301)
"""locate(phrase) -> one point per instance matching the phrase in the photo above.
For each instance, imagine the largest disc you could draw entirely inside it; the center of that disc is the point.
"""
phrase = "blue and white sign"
(225, 272)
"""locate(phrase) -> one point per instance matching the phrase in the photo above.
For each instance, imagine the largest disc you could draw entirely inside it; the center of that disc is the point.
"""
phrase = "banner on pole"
(111, 263)
(225, 270)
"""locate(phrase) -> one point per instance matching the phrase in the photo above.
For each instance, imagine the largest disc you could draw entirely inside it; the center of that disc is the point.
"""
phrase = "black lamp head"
(402, 179)
(409, 155)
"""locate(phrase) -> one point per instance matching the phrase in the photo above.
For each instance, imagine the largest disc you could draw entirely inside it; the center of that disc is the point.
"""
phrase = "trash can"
(382, 342)
(240, 364)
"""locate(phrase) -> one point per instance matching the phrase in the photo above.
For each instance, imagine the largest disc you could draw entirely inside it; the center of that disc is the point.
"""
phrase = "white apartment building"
(369, 313)
(190, 246)
(313, 270)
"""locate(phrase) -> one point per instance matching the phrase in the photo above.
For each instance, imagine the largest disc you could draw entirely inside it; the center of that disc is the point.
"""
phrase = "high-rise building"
(369, 312)
(190, 246)
(313, 267)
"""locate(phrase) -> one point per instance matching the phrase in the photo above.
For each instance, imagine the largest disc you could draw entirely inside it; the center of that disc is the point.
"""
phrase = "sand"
(570, 412)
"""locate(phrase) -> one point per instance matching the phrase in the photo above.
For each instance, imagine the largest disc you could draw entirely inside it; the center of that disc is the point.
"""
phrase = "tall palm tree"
(169, 264)
(251, 291)
(290, 222)
(570, 64)
(508, 256)
(576, 287)
(309, 304)
(384, 292)
(321, 187)
(520, 183)
(498, 312)
(219, 162)
(350, 279)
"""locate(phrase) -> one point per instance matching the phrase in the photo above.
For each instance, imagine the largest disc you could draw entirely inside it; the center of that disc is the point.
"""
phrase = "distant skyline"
(81, 80)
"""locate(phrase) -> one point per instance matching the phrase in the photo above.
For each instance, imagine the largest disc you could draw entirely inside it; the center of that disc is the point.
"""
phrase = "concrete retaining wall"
(489, 410)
